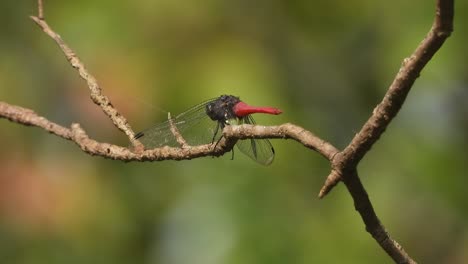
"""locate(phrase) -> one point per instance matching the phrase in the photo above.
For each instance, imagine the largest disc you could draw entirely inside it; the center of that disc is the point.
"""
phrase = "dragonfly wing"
(259, 150)
(157, 136)
(194, 125)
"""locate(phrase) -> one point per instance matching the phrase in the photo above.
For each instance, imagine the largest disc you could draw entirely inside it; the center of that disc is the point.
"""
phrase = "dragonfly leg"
(254, 147)
(222, 125)
(215, 133)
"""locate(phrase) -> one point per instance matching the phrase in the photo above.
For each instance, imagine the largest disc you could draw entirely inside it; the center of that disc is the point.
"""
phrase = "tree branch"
(285, 131)
(344, 163)
(28, 117)
(40, 10)
(96, 92)
(363, 205)
(384, 113)
(76, 134)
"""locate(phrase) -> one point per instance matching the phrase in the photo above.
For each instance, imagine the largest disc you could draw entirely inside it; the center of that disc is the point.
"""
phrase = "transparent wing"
(259, 150)
(194, 125)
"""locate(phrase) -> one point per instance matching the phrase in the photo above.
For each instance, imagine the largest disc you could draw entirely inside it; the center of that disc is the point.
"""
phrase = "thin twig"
(332, 179)
(96, 92)
(40, 9)
(176, 133)
(28, 117)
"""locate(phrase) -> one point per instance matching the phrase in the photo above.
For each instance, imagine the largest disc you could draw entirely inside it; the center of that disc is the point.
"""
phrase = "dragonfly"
(203, 124)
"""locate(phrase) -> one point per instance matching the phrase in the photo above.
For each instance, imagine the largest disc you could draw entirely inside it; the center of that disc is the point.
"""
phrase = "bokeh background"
(326, 64)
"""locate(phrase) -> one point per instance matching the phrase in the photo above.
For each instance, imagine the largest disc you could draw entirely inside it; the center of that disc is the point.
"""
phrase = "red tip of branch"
(242, 109)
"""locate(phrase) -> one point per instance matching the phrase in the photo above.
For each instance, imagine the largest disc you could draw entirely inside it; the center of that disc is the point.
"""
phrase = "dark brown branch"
(384, 113)
(344, 163)
(363, 205)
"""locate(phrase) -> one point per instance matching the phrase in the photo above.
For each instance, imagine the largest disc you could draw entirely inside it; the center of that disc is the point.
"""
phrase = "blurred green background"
(326, 64)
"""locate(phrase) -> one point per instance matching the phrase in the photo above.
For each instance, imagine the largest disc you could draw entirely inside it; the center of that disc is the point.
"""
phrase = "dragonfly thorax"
(221, 109)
